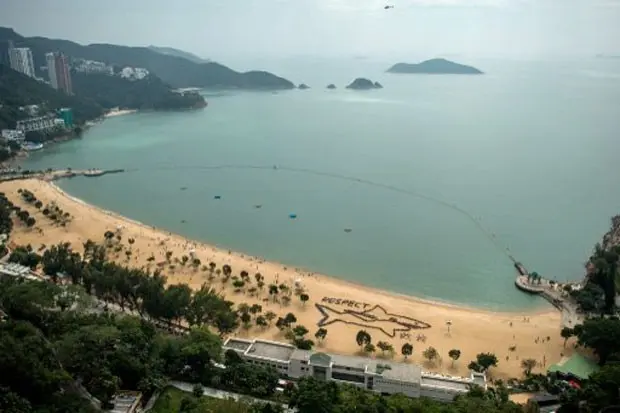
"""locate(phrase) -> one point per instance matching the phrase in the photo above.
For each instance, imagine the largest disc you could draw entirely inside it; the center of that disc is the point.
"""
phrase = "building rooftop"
(271, 350)
(351, 361)
(237, 344)
(446, 383)
(397, 371)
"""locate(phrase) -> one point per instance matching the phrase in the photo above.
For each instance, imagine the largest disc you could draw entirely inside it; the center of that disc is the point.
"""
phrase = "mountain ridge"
(174, 70)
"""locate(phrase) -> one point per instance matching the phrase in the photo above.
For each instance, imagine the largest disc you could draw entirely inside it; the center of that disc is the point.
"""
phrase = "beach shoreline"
(119, 112)
(544, 307)
(471, 329)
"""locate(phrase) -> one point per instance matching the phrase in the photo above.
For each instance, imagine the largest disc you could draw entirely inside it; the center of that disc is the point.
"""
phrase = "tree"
(566, 333)
(486, 360)
(175, 302)
(290, 319)
(320, 334)
(430, 354)
(273, 291)
(304, 298)
(270, 316)
(256, 309)
(528, 365)
(261, 321)
(362, 338)
(246, 319)
(300, 331)
(385, 346)
(369, 348)
(315, 396)
(454, 354)
(30, 221)
(602, 335)
(406, 350)
(198, 390)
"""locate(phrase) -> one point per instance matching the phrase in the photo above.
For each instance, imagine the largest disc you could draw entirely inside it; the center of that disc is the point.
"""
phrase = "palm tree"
(430, 354)
(226, 270)
(406, 350)
(362, 338)
(270, 316)
(261, 321)
(369, 348)
(212, 266)
(454, 354)
(528, 365)
(320, 334)
(304, 297)
(273, 291)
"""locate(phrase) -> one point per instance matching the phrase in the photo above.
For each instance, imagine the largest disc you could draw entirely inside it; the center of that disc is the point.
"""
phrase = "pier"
(550, 290)
(54, 174)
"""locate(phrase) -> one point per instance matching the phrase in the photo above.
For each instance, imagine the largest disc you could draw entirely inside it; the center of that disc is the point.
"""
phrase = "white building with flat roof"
(21, 60)
(381, 376)
(36, 124)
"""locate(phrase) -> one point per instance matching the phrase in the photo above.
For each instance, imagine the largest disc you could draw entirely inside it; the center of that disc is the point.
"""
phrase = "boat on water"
(31, 146)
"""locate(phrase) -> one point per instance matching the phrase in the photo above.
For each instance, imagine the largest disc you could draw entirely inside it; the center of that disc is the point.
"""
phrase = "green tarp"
(577, 365)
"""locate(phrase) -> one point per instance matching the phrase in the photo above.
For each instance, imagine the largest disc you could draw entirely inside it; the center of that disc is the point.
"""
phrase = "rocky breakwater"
(611, 239)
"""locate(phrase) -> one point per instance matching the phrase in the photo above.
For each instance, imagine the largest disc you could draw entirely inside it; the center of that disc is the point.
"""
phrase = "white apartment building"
(50, 59)
(12, 135)
(36, 124)
(21, 60)
(381, 376)
(134, 73)
(93, 66)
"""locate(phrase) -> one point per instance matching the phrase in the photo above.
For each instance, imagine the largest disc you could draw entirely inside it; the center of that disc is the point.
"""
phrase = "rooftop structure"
(17, 270)
(381, 376)
(36, 124)
(125, 402)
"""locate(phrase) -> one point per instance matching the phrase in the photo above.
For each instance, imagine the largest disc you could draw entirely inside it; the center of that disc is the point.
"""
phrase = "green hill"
(176, 71)
(171, 51)
(148, 93)
(434, 66)
(18, 90)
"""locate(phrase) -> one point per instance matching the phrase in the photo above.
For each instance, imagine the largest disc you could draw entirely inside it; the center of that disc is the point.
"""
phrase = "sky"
(283, 28)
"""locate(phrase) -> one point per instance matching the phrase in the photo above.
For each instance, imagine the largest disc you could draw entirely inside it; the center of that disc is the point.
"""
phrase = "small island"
(435, 66)
(303, 86)
(331, 86)
(364, 84)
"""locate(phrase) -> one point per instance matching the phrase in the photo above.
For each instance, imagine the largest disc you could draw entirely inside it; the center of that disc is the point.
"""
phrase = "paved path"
(221, 394)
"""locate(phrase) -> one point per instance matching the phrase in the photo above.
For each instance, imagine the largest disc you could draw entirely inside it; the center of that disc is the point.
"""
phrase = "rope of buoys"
(343, 177)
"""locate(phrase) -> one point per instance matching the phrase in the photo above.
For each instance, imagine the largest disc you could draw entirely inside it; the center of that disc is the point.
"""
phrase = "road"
(221, 394)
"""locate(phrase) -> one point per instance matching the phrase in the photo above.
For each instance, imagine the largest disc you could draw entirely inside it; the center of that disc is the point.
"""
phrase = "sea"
(425, 187)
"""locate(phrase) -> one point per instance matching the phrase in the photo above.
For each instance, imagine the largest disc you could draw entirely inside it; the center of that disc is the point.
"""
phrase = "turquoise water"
(530, 150)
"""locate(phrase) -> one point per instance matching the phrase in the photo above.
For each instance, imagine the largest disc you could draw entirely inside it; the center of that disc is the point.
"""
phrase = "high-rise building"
(50, 59)
(59, 73)
(21, 60)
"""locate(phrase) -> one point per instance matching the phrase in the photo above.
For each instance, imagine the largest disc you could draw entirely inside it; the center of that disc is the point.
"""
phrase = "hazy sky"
(220, 28)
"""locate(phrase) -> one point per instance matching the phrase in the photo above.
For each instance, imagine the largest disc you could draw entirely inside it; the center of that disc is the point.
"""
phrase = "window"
(348, 377)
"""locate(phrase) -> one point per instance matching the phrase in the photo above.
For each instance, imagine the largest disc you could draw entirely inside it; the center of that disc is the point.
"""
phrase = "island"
(331, 86)
(435, 66)
(364, 84)
(303, 86)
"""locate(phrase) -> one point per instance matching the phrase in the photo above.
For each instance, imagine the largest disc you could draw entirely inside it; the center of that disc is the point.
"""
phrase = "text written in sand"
(342, 301)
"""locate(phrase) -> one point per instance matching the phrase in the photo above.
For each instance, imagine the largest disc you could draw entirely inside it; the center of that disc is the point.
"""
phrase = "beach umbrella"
(449, 323)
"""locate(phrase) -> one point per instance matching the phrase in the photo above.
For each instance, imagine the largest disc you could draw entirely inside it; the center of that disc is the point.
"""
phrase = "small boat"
(217, 197)
(292, 216)
(183, 188)
(258, 206)
(348, 230)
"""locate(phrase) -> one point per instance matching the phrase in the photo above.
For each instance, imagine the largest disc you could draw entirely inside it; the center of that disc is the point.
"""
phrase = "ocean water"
(438, 177)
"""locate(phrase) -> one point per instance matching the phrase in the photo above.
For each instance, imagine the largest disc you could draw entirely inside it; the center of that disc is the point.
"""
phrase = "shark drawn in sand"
(373, 318)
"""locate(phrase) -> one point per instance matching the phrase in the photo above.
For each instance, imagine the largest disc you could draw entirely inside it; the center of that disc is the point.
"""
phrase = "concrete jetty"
(54, 174)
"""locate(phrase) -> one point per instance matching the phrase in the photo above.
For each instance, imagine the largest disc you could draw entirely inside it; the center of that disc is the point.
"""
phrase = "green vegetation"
(176, 71)
(18, 90)
(173, 400)
(148, 93)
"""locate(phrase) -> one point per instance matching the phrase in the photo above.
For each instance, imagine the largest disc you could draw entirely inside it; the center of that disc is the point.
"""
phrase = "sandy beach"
(119, 112)
(511, 336)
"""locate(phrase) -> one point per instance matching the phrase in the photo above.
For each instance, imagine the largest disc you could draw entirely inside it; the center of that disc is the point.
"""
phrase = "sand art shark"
(373, 318)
